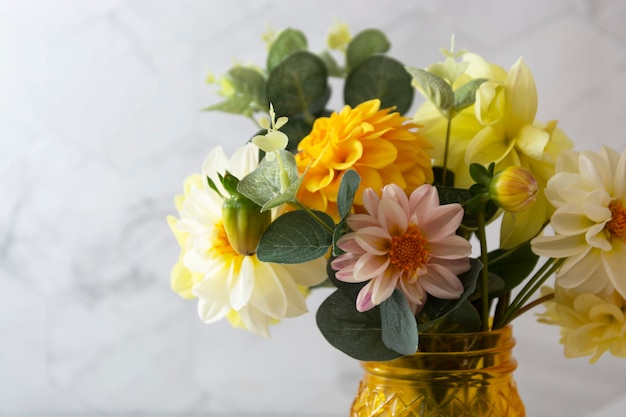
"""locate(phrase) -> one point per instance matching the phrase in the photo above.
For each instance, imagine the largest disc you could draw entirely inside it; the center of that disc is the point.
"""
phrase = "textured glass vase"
(452, 375)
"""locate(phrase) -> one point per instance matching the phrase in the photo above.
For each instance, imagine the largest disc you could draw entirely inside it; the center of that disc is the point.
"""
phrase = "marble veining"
(101, 122)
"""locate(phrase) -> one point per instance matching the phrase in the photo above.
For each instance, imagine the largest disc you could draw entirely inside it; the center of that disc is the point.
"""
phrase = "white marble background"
(100, 124)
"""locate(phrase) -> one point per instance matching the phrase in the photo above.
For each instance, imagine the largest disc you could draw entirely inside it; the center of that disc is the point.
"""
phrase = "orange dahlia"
(382, 146)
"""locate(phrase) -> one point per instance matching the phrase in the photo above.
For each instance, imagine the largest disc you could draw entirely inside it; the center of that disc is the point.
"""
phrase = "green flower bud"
(244, 223)
(514, 189)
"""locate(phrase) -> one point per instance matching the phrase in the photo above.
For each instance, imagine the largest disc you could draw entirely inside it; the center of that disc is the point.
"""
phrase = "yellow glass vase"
(452, 375)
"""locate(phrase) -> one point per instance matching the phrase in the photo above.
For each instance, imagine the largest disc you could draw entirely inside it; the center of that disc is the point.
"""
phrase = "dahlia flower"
(247, 292)
(590, 325)
(382, 146)
(404, 242)
(500, 127)
(589, 194)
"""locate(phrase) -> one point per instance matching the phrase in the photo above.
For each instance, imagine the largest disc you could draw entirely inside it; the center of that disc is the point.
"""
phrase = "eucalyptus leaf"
(238, 104)
(357, 334)
(380, 77)
(296, 129)
(347, 189)
(465, 95)
(288, 41)
(299, 81)
(399, 328)
(435, 89)
(249, 82)
(334, 70)
(264, 184)
(295, 237)
(365, 44)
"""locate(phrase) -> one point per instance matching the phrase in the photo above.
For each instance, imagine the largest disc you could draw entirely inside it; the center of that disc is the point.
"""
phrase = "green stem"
(314, 216)
(445, 153)
(540, 277)
(482, 237)
(533, 304)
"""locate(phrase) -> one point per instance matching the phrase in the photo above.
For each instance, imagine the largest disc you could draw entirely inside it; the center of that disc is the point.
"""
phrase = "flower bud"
(514, 189)
(244, 223)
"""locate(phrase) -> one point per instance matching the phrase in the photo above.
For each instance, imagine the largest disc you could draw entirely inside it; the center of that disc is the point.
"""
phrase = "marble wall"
(100, 122)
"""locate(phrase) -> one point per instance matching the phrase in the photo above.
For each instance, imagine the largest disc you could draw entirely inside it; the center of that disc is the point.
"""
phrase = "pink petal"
(383, 286)
(346, 260)
(441, 283)
(456, 266)
(397, 194)
(451, 247)
(348, 244)
(373, 240)
(370, 201)
(392, 217)
(364, 299)
(441, 222)
(369, 266)
(424, 199)
(359, 221)
(413, 291)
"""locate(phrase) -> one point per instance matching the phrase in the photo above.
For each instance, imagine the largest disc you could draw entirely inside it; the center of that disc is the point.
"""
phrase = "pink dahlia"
(404, 242)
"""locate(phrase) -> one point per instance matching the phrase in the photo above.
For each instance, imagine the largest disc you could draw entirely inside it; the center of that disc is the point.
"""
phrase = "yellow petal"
(532, 141)
(489, 145)
(521, 98)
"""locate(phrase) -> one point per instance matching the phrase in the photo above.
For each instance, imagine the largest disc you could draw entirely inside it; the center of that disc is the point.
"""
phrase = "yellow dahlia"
(590, 324)
(500, 127)
(382, 146)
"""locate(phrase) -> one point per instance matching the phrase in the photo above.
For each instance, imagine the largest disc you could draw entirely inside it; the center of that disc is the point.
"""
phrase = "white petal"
(614, 263)
(308, 273)
(255, 321)
(242, 282)
(244, 160)
(269, 295)
(211, 312)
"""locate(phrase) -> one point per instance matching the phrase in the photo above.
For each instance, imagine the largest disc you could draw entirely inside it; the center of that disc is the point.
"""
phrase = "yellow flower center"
(617, 225)
(408, 251)
(220, 245)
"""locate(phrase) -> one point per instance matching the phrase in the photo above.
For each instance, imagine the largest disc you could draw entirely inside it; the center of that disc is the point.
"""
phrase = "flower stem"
(533, 304)
(482, 237)
(444, 175)
(546, 270)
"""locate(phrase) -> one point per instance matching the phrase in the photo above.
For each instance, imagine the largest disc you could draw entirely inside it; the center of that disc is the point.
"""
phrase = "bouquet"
(393, 210)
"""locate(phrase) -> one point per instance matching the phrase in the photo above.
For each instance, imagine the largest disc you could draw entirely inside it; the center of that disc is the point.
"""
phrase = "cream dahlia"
(247, 292)
(404, 242)
(589, 194)
(590, 325)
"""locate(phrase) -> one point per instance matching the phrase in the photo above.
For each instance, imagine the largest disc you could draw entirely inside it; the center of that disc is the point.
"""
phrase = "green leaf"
(435, 89)
(512, 265)
(365, 44)
(347, 189)
(464, 319)
(249, 82)
(465, 95)
(399, 327)
(263, 185)
(480, 174)
(435, 308)
(495, 284)
(238, 104)
(295, 237)
(357, 334)
(299, 81)
(381, 77)
(334, 70)
(287, 42)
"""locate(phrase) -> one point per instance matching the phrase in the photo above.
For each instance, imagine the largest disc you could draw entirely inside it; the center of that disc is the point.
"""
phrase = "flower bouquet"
(393, 212)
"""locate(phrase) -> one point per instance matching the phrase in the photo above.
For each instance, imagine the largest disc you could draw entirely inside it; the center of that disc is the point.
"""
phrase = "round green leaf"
(287, 42)
(297, 83)
(381, 77)
(365, 44)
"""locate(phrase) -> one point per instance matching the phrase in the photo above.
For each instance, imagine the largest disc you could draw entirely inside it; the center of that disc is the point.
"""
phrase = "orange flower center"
(617, 225)
(408, 251)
